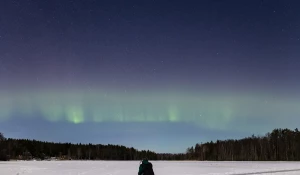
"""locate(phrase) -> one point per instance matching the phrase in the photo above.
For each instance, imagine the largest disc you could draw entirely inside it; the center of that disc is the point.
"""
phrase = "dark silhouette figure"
(146, 168)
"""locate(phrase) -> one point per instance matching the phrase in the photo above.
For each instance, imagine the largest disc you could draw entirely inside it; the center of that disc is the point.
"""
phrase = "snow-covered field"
(160, 168)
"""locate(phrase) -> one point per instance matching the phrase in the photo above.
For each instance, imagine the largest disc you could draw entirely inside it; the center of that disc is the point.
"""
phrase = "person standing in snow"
(146, 168)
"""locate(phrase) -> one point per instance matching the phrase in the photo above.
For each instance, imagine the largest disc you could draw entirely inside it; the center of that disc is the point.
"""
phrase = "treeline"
(24, 149)
(279, 145)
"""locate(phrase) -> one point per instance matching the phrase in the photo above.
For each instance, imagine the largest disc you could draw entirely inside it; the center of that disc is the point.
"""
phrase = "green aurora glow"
(211, 111)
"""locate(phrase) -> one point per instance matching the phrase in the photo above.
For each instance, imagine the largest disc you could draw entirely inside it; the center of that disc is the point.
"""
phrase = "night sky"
(152, 74)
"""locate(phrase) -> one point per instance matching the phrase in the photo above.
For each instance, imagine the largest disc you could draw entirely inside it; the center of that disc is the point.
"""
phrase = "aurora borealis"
(148, 74)
(211, 111)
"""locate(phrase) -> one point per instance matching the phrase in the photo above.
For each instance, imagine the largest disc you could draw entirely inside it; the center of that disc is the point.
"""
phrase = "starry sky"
(161, 75)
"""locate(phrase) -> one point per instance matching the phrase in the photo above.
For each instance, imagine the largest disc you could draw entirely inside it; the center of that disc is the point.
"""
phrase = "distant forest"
(279, 145)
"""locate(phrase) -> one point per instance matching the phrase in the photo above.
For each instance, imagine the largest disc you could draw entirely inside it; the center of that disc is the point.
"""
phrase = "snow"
(160, 168)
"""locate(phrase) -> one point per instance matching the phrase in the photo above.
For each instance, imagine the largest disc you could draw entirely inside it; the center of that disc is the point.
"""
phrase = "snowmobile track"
(268, 172)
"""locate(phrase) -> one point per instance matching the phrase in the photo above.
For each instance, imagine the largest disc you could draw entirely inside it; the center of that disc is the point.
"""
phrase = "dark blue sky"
(158, 75)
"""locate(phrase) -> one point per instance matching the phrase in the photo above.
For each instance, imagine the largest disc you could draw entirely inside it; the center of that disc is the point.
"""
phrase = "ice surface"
(160, 168)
